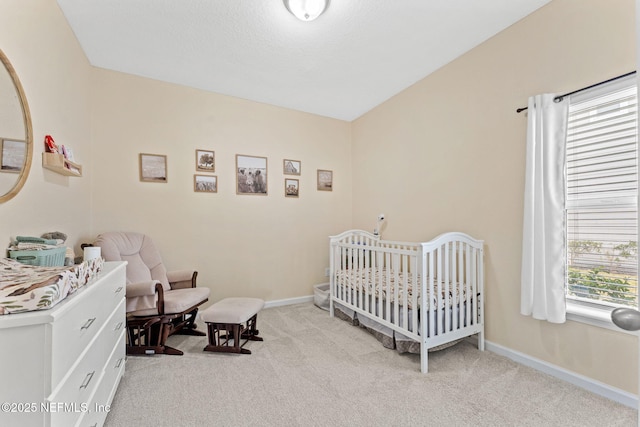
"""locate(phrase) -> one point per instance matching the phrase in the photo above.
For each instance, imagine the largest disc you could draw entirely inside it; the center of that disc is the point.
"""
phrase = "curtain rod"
(560, 97)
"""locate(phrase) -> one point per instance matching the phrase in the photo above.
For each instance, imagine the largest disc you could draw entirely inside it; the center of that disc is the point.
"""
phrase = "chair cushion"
(178, 301)
(142, 256)
(232, 310)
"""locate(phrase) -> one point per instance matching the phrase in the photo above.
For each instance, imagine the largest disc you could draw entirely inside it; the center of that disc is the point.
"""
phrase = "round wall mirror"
(16, 135)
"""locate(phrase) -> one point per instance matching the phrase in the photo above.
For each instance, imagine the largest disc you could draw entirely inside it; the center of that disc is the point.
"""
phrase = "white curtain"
(543, 235)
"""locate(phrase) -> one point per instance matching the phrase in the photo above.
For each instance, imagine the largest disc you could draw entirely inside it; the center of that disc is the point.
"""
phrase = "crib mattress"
(382, 283)
(28, 288)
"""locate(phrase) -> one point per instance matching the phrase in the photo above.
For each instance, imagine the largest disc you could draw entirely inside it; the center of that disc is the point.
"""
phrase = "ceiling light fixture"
(306, 10)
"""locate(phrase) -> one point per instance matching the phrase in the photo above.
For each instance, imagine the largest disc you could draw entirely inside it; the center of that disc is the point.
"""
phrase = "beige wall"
(270, 247)
(55, 75)
(448, 154)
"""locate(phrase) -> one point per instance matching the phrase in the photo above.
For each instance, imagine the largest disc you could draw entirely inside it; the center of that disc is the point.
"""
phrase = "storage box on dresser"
(62, 366)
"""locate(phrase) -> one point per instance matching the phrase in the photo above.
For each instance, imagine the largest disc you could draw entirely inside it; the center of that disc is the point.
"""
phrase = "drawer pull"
(118, 290)
(88, 324)
(87, 380)
(119, 362)
(118, 326)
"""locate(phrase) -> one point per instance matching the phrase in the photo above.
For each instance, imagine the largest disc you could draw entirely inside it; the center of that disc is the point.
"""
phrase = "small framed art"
(291, 187)
(325, 180)
(291, 167)
(205, 161)
(205, 183)
(153, 167)
(251, 175)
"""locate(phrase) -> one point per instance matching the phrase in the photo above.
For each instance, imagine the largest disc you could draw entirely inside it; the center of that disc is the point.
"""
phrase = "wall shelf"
(57, 163)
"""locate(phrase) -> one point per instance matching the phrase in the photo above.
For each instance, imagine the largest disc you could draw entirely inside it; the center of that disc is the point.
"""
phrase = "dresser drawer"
(114, 330)
(78, 388)
(84, 380)
(99, 406)
(75, 330)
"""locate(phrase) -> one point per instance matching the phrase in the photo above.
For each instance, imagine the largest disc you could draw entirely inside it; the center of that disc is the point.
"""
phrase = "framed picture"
(291, 187)
(12, 155)
(251, 175)
(291, 167)
(205, 183)
(205, 160)
(153, 167)
(325, 180)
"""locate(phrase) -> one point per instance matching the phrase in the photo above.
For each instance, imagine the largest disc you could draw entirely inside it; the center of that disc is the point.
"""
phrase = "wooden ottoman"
(232, 319)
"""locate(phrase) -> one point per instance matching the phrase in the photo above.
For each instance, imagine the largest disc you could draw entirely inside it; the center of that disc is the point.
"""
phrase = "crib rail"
(430, 292)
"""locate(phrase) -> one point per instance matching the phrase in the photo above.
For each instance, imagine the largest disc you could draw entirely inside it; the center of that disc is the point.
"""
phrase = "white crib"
(398, 284)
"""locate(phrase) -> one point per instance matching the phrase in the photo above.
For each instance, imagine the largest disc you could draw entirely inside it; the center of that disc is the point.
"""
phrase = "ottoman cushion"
(232, 310)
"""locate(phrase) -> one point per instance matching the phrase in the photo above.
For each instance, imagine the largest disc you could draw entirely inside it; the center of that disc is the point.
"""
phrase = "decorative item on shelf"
(50, 144)
(67, 152)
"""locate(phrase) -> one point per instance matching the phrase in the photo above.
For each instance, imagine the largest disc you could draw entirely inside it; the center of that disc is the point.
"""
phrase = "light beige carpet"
(313, 370)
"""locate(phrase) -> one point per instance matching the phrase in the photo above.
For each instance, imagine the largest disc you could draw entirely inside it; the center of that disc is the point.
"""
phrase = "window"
(602, 196)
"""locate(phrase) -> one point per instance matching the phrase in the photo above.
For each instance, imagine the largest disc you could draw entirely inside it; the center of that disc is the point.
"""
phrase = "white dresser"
(62, 366)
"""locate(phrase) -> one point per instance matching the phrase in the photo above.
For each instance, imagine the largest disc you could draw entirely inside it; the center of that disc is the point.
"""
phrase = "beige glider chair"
(159, 303)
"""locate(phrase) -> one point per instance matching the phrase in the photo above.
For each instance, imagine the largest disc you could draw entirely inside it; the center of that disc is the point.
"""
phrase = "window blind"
(602, 193)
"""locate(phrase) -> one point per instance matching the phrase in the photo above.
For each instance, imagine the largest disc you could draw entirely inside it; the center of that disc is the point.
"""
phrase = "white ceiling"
(355, 56)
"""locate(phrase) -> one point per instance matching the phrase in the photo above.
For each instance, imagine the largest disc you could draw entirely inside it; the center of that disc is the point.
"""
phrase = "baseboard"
(602, 389)
(288, 301)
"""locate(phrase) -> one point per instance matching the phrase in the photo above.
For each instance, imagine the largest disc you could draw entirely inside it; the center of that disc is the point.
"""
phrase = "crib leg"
(424, 358)
(481, 340)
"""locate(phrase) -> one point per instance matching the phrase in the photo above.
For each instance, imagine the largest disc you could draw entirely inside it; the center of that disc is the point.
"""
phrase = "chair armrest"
(144, 296)
(142, 289)
(180, 279)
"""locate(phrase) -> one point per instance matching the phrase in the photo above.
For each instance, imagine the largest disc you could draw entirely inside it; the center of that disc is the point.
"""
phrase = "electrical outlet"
(326, 272)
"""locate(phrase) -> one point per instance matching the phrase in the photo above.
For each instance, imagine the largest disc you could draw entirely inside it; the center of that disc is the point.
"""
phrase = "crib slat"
(447, 295)
(462, 300)
(396, 267)
(360, 278)
(470, 296)
(380, 283)
(387, 312)
(430, 296)
(455, 302)
(405, 288)
(414, 294)
(474, 285)
(440, 323)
